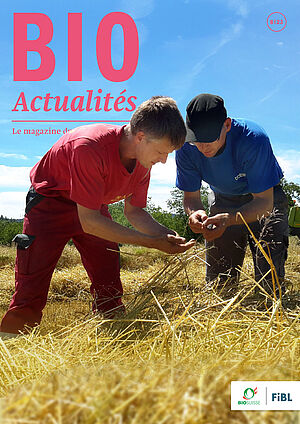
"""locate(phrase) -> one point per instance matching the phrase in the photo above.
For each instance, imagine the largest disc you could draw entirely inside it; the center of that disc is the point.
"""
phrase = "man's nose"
(163, 158)
(202, 146)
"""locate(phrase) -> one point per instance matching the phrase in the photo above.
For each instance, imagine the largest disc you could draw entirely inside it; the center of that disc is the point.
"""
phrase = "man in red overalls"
(87, 169)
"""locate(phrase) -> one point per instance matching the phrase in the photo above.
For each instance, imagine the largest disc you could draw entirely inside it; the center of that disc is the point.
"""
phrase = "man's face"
(209, 150)
(151, 151)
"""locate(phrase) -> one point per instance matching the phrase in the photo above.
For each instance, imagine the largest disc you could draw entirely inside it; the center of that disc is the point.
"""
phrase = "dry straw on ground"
(170, 360)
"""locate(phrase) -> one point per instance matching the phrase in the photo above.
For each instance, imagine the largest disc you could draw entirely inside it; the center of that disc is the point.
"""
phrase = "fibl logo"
(281, 397)
(249, 394)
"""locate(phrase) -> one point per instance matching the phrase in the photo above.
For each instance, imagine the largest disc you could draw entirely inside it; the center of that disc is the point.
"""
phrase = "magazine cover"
(195, 336)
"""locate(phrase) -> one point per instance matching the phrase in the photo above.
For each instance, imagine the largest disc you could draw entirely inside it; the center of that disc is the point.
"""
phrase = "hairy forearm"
(214, 226)
(251, 211)
(103, 227)
(192, 205)
(143, 222)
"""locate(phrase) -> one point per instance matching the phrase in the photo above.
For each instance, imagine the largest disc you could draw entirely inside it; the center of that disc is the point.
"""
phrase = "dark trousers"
(227, 253)
(51, 223)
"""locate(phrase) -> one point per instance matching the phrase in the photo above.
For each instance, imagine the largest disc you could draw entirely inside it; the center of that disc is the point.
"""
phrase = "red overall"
(54, 221)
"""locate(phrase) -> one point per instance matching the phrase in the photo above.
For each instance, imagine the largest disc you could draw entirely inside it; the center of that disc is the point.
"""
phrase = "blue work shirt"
(246, 165)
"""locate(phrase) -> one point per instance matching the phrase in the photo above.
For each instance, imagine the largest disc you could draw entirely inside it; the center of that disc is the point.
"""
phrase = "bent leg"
(274, 241)
(103, 268)
(101, 259)
(49, 223)
(273, 233)
(33, 272)
(224, 255)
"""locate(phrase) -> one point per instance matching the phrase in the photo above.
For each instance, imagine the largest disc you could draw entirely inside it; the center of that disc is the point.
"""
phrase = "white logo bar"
(265, 395)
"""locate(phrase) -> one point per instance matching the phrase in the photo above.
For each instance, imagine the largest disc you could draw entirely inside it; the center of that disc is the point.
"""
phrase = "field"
(169, 360)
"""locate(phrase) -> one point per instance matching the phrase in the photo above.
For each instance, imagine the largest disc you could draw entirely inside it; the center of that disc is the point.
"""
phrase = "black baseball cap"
(205, 116)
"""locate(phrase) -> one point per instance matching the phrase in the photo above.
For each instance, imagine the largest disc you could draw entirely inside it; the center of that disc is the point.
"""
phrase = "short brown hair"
(159, 117)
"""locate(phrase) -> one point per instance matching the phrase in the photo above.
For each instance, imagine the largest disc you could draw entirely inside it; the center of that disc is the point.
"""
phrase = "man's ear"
(139, 136)
(227, 124)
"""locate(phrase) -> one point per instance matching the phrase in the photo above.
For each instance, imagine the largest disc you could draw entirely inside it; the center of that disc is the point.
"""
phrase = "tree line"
(175, 218)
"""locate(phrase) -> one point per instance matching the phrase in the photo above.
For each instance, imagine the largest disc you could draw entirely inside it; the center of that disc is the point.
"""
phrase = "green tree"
(175, 203)
(163, 217)
(8, 229)
(117, 213)
(292, 190)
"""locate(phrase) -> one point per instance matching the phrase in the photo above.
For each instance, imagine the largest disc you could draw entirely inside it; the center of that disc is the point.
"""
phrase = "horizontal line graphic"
(74, 120)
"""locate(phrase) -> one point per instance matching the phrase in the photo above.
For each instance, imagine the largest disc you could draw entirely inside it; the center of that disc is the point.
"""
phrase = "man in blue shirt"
(235, 157)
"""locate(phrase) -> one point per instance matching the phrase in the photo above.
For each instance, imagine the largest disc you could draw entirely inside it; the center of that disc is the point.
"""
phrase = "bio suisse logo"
(249, 394)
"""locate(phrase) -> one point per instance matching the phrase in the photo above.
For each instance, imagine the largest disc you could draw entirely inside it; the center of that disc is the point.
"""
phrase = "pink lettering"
(22, 45)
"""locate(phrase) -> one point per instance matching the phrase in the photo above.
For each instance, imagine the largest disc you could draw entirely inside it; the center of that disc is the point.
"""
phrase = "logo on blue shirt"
(239, 176)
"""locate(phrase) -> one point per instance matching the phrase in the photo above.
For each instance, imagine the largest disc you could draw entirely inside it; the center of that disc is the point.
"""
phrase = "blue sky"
(186, 47)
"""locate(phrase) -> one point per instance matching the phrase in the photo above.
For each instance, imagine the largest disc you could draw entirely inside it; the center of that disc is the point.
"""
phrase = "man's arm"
(194, 208)
(94, 223)
(261, 204)
(143, 221)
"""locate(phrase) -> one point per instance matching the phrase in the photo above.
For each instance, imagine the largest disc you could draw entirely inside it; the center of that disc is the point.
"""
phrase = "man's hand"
(196, 220)
(172, 244)
(215, 226)
(167, 241)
